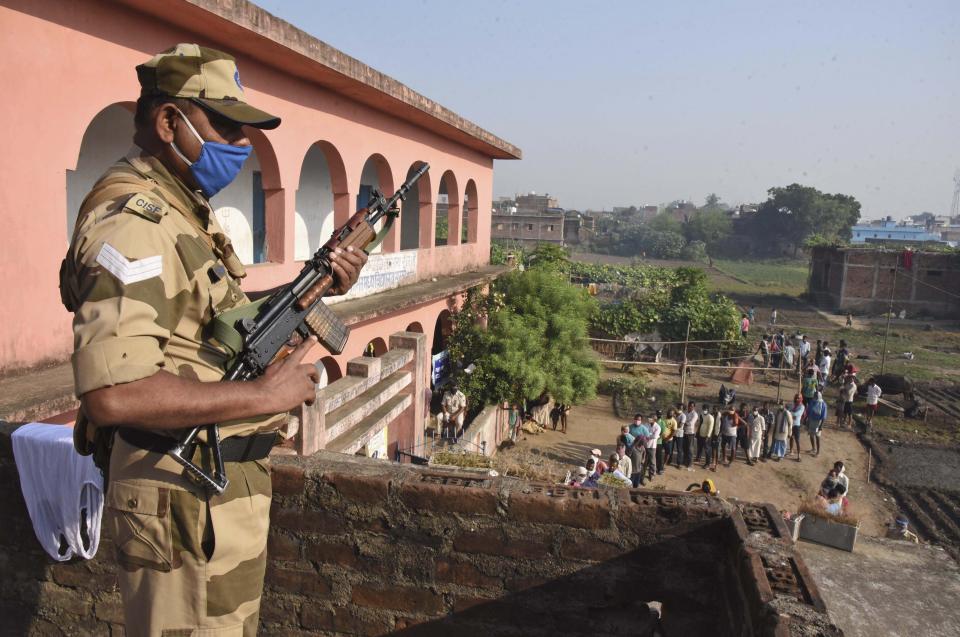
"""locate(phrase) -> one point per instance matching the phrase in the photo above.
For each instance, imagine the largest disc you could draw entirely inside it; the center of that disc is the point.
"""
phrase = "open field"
(775, 277)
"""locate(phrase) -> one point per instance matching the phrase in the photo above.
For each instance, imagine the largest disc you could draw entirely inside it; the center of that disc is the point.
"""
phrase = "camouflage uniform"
(148, 267)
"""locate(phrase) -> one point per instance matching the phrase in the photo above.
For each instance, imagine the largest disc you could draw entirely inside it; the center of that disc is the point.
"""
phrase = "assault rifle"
(266, 331)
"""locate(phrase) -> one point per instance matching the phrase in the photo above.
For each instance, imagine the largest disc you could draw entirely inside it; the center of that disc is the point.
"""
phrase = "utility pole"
(886, 334)
(683, 367)
(779, 376)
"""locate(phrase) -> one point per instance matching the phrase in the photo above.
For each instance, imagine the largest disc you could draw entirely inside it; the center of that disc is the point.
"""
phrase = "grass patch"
(930, 362)
(916, 431)
(785, 277)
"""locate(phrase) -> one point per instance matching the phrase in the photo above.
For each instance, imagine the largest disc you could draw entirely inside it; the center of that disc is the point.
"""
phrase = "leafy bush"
(662, 245)
(630, 395)
(534, 341)
(498, 254)
(694, 251)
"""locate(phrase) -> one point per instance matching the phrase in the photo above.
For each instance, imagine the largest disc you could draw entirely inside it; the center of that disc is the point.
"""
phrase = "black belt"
(235, 449)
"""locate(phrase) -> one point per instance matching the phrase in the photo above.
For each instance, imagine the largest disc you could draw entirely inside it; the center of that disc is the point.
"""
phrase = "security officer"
(148, 268)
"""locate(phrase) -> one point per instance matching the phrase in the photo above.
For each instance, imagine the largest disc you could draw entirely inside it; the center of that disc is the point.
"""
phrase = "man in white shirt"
(847, 393)
(650, 461)
(789, 357)
(705, 435)
(625, 465)
(825, 363)
(873, 399)
(690, 425)
(679, 435)
(452, 408)
(804, 348)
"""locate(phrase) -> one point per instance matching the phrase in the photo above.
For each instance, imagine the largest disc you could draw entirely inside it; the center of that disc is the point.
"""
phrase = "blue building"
(888, 230)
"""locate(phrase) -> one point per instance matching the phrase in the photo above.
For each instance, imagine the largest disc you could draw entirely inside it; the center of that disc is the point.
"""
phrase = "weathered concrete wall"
(359, 546)
(487, 430)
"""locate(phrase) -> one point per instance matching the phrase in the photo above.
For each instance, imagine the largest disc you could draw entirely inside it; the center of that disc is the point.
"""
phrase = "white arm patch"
(129, 271)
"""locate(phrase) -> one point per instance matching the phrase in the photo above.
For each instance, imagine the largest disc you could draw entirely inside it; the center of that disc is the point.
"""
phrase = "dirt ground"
(781, 483)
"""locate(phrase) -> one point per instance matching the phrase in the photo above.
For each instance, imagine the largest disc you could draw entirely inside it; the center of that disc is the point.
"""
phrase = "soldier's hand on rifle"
(346, 266)
(287, 383)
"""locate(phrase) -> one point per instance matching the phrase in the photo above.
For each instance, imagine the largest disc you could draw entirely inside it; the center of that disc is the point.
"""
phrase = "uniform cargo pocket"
(140, 522)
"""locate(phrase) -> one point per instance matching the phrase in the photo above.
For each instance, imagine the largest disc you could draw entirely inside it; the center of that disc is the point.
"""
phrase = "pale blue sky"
(620, 103)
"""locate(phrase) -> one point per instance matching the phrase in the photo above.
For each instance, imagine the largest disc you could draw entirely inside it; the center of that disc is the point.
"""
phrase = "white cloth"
(873, 394)
(57, 484)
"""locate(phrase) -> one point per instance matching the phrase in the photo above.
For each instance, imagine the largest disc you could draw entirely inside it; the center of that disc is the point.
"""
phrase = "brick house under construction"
(865, 280)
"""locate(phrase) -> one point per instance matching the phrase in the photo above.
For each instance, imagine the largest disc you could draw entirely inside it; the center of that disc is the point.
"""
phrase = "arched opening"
(471, 216)
(329, 371)
(376, 347)
(416, 224)
(442, 331)
(440, 359)
(447, 229)
(108, 138)
(241, 210)
(415, 327)
(376, 175)
(321, 198)
(250, 209)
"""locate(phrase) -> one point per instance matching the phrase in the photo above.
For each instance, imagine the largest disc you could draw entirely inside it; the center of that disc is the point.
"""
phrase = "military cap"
(206, 77)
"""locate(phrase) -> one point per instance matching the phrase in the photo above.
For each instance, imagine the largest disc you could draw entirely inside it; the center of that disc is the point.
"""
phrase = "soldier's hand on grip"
(346, 265)
(289, 382)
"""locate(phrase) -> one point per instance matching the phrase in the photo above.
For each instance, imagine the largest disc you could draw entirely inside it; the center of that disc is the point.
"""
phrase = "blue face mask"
(217, 165)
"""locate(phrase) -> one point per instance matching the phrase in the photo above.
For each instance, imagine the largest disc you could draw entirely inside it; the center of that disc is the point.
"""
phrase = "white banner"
(382, 272)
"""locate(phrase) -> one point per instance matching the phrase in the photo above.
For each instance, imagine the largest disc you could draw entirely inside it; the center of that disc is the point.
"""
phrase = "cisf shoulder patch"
(127, 271)
(147, 206)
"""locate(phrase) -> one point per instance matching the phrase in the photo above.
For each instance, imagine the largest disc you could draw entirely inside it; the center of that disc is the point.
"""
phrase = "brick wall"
(863, 280)
(359, 546)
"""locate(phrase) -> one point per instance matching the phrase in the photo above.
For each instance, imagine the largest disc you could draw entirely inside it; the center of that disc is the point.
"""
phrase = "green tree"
(710, 318)
(713, 227)
(795, 212)
(548, 255)
(665, 222)
(662, 245)
(534, 341)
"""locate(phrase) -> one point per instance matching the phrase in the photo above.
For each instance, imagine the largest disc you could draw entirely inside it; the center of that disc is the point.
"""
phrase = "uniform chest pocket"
(139, 520)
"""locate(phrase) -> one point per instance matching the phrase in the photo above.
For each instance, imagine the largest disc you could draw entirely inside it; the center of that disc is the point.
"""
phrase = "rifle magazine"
(327, 326)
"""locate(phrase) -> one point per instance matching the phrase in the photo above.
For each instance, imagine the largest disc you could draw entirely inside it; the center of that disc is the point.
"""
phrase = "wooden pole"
(779, 376)
(886, 334)
(683, 367)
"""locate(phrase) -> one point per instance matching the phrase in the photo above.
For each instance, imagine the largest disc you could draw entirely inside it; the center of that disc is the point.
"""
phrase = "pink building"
(69, 65)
